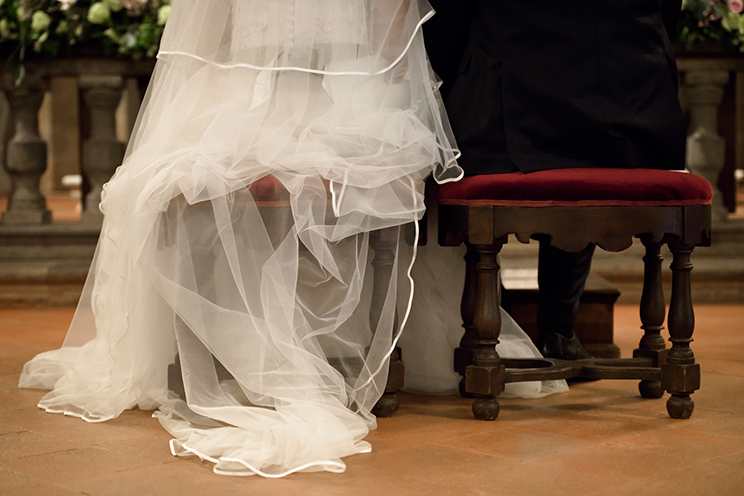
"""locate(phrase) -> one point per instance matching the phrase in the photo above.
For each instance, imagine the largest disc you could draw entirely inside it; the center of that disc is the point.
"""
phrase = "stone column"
(102, 152)
(26, 155)
(705, 147)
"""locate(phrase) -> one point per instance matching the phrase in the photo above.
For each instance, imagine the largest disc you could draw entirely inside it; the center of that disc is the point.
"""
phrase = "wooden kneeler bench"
(573, 208)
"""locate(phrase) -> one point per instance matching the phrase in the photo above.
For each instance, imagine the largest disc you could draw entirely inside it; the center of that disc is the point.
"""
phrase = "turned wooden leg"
(175, 379)
(464, 353)
(652, 344)
(387, 405)
(384, 242)
(680, 374)
(485, 377)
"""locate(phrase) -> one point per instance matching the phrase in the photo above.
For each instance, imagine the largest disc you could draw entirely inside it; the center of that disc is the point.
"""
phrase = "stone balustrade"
(101, 83)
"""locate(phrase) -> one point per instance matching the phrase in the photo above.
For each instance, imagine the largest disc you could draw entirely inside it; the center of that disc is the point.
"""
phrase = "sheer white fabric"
(264, 301)
(267, 305)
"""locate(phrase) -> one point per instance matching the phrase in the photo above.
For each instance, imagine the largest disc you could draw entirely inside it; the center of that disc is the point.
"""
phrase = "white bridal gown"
(336, 101)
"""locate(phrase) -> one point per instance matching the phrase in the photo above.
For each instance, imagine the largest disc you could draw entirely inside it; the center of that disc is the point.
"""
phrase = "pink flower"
(66, 4)
(134, 6)
(735, 6)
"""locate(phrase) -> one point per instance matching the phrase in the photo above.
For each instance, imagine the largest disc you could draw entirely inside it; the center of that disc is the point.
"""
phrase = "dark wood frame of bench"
(485, 229)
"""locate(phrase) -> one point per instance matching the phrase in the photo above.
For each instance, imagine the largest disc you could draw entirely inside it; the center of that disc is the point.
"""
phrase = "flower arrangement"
(712, 20)
(38, 28)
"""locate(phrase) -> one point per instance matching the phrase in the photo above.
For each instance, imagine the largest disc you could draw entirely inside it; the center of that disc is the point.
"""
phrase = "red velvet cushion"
(268, 188)
(269, 191)
(579, 187)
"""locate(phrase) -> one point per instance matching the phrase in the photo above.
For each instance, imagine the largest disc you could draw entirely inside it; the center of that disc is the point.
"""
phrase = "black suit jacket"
(540, 84)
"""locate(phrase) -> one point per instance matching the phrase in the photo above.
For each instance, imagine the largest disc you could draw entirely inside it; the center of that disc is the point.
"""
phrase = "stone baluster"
(26, 155)
(705, 147)
(102, 152)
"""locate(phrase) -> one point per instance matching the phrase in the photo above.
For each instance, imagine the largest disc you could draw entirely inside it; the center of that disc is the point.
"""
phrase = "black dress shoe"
(554, 345)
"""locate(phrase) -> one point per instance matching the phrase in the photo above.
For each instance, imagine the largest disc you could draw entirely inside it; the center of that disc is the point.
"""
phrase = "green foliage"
(712, 20)
(52, 28)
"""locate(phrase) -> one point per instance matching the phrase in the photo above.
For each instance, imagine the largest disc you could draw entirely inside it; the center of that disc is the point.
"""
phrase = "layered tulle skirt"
(257, 303)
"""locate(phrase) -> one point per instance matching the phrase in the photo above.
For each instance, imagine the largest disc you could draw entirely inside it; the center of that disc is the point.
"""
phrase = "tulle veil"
(265, 303)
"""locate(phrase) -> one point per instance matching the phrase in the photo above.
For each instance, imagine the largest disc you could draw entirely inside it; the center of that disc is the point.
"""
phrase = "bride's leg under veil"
(313, 378)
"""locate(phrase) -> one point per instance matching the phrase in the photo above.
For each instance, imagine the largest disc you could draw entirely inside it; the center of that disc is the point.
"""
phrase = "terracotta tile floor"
(601, 438)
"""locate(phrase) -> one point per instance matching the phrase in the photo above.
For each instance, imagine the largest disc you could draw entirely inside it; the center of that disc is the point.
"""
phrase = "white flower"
(40, 21)
(66, 4)
(99, 13)
(4, 27)
(163, 13)
(113, 5)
